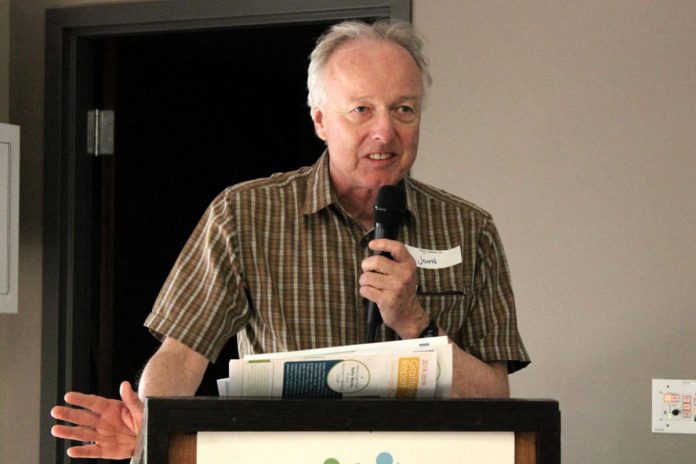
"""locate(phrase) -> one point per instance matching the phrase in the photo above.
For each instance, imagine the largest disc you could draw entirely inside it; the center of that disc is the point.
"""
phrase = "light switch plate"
(673, 406)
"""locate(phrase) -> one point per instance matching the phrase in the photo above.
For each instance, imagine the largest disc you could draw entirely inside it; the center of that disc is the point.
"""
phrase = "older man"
(286, 262)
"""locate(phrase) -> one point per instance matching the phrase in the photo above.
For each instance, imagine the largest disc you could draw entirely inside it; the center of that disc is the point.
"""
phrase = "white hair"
(400, 33)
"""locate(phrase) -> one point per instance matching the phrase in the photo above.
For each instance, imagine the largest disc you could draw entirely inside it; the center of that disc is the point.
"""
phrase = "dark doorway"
(206, 94)
(195, 113)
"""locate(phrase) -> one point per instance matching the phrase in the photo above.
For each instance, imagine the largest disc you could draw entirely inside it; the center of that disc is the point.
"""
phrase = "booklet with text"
(418, 368)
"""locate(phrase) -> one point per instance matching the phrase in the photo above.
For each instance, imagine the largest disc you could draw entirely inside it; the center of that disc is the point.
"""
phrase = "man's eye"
(406, 113)
(360, 109)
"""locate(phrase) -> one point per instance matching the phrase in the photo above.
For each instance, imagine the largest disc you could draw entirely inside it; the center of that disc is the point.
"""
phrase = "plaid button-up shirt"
(276, 261)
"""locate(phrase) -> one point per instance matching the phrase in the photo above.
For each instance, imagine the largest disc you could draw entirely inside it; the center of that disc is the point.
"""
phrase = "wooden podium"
(171, 424)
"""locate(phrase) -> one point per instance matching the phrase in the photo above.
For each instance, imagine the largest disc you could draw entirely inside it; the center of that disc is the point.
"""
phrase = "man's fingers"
(371, 294)
(108, 427)
(393, 247)
(133, 405)
(92, 402)
(73, 433)
(129, 397)
(76, 416)
(378, 264)
(382, 244)
(86, 451)
(117, 446)
(61, 413)
(96, 451)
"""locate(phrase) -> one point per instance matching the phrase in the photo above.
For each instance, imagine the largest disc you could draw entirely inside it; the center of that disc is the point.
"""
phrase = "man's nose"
(383, 129)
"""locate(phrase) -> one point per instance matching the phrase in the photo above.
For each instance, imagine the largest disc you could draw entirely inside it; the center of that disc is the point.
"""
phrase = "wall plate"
(673, 406)
(9, 217)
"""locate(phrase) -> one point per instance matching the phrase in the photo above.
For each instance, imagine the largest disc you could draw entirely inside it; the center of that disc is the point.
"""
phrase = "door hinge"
(100, 132)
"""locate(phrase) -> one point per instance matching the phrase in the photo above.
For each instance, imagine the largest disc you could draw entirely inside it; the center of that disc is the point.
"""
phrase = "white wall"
(574, 124)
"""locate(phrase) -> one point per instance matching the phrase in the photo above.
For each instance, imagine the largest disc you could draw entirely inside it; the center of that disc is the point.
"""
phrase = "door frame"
(67, 220)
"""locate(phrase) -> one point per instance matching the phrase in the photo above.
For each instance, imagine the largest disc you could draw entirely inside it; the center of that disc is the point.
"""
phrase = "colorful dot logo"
(382, 458)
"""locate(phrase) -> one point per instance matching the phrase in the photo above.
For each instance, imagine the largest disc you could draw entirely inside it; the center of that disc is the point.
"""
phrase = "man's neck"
(359, 204)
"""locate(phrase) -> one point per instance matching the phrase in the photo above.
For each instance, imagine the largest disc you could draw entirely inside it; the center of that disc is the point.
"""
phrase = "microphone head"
(390, 205)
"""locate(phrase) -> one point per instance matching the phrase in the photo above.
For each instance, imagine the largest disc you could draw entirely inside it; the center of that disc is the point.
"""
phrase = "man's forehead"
(356, 63)
(356, 50)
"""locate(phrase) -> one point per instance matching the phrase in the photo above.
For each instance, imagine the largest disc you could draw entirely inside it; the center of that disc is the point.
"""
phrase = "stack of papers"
(418, 368)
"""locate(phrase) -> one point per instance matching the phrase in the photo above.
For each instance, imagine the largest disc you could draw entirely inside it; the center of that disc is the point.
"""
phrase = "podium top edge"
(217, 399)
(461, 404)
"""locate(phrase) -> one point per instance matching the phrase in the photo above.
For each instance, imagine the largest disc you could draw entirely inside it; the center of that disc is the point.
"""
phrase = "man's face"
(371, 117)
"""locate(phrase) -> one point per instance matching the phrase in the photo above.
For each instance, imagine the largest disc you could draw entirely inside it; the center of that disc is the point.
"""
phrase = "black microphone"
(388, 213)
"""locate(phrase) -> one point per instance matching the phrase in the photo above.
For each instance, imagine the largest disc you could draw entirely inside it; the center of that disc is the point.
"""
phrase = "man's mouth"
(379, 156)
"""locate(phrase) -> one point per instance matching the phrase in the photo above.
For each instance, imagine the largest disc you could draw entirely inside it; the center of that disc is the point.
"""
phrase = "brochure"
(418, 368)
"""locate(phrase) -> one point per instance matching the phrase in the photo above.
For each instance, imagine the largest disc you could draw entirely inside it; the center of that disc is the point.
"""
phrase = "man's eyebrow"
(413, 100)
(408, 98)
(360, 97)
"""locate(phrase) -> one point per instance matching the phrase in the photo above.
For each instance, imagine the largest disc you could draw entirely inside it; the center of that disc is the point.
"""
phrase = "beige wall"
(5, 61)
(574, 124)
(20, 334)
(571, 122)
(4, 117)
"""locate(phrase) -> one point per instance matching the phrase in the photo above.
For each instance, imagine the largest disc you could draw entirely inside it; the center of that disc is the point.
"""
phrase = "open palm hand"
(109, 427)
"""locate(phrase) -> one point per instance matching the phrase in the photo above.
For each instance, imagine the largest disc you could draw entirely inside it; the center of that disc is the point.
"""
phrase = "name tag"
(435, 259)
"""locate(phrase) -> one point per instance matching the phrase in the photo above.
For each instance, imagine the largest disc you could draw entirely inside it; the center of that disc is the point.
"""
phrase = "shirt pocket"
(445, 297)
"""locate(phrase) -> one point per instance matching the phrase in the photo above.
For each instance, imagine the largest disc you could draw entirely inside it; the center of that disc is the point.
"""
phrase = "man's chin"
(386, 180)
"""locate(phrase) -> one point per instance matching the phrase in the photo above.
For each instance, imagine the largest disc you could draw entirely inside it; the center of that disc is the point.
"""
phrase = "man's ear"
(318, 119)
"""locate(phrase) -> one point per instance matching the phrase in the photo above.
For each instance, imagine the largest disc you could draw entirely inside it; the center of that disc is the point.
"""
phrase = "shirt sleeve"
(490, 332)
(203, 302)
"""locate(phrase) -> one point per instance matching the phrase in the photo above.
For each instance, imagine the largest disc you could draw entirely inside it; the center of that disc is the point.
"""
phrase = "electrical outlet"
(673, 406)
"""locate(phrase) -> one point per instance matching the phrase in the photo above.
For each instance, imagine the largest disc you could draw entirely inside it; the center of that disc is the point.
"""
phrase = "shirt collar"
(411, 203)
(320, 193)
